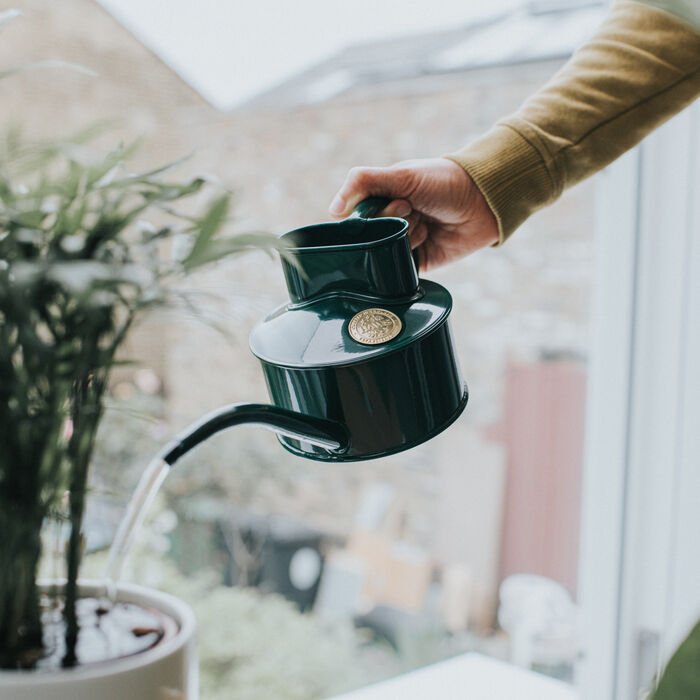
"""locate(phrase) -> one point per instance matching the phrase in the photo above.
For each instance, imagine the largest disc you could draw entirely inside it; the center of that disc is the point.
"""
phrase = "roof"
(542, 30)
(231, 51)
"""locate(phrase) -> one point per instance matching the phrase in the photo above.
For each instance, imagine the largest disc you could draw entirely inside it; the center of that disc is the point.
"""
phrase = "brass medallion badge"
(374, 326)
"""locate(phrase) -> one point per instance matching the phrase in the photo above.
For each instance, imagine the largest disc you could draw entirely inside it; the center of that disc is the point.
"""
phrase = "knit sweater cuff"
(511, 173)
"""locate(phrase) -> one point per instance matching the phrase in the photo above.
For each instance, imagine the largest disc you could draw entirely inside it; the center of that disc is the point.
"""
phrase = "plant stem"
(87, 411)
(20, 620)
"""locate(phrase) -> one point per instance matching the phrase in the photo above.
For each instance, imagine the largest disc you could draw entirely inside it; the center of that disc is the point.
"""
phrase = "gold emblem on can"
(374, 326)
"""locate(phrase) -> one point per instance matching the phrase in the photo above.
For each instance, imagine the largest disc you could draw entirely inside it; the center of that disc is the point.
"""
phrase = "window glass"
(345, 574)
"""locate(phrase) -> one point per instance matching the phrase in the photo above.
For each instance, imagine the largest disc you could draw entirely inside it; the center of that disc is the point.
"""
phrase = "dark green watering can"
(359, 362)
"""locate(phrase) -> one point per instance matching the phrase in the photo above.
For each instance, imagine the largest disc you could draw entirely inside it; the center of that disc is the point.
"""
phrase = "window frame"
(638, 577)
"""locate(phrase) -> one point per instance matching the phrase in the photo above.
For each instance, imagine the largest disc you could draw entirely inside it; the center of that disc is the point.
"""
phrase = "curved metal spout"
(330, 435)
(318, 431)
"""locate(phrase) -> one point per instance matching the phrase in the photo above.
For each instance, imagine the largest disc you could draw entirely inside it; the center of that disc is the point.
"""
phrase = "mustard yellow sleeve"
(641, 68)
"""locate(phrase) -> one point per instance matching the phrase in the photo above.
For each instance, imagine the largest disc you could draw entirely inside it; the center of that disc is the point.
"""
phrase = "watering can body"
(362, 342)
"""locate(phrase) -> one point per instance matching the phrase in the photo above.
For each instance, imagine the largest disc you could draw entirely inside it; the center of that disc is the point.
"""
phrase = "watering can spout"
(320, 432)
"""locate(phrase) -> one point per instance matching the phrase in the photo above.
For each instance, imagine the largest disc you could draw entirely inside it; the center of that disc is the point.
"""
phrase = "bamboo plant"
(77, 267)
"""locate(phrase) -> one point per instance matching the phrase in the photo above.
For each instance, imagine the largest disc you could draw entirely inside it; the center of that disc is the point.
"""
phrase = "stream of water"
(144, 494)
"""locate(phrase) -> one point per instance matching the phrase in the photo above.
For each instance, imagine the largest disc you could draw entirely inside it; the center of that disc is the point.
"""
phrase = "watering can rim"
(375, 223)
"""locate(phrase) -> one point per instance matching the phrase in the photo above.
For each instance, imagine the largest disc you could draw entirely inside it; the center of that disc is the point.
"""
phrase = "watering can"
(359, 362)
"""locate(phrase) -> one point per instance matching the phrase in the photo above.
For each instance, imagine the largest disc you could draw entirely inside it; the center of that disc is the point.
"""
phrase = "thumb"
(361, 183)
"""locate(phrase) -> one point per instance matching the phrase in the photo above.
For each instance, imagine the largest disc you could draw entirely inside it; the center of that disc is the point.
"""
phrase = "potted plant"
(78, 266)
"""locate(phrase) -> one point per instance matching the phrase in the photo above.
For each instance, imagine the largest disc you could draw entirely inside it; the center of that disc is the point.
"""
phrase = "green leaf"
(208, 227)
(159, 170)
(681, 678)
(221, 248)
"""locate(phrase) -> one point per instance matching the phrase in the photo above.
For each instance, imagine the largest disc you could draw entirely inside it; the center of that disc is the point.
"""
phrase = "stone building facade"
(284, 162)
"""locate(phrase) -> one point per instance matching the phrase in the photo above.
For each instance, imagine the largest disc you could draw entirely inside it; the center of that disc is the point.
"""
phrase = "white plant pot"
(168, 671)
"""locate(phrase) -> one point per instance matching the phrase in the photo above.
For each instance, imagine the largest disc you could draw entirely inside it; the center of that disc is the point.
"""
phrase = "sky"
(229, 50)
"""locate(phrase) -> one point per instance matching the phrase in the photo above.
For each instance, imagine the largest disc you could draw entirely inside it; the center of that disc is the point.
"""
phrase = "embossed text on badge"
(374, 326)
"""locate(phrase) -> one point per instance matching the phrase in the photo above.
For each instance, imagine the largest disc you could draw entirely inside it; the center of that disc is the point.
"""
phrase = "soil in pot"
(107, 631)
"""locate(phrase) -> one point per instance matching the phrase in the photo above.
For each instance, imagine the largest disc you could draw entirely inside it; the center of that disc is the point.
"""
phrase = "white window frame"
(639, 568)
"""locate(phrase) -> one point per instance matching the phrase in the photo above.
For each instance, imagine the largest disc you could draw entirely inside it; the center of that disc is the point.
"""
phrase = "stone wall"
(284, 166)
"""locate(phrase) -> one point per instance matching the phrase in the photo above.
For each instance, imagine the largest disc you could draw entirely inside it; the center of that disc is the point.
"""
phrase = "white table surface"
(468, 677)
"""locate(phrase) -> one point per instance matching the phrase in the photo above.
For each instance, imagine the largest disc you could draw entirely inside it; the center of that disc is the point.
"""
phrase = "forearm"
(641, 68)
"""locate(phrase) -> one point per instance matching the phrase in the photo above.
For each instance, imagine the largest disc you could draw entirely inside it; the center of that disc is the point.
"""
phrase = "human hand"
(448, 216)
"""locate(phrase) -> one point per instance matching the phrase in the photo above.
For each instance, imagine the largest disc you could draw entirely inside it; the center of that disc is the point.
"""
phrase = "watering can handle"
(369, 208)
